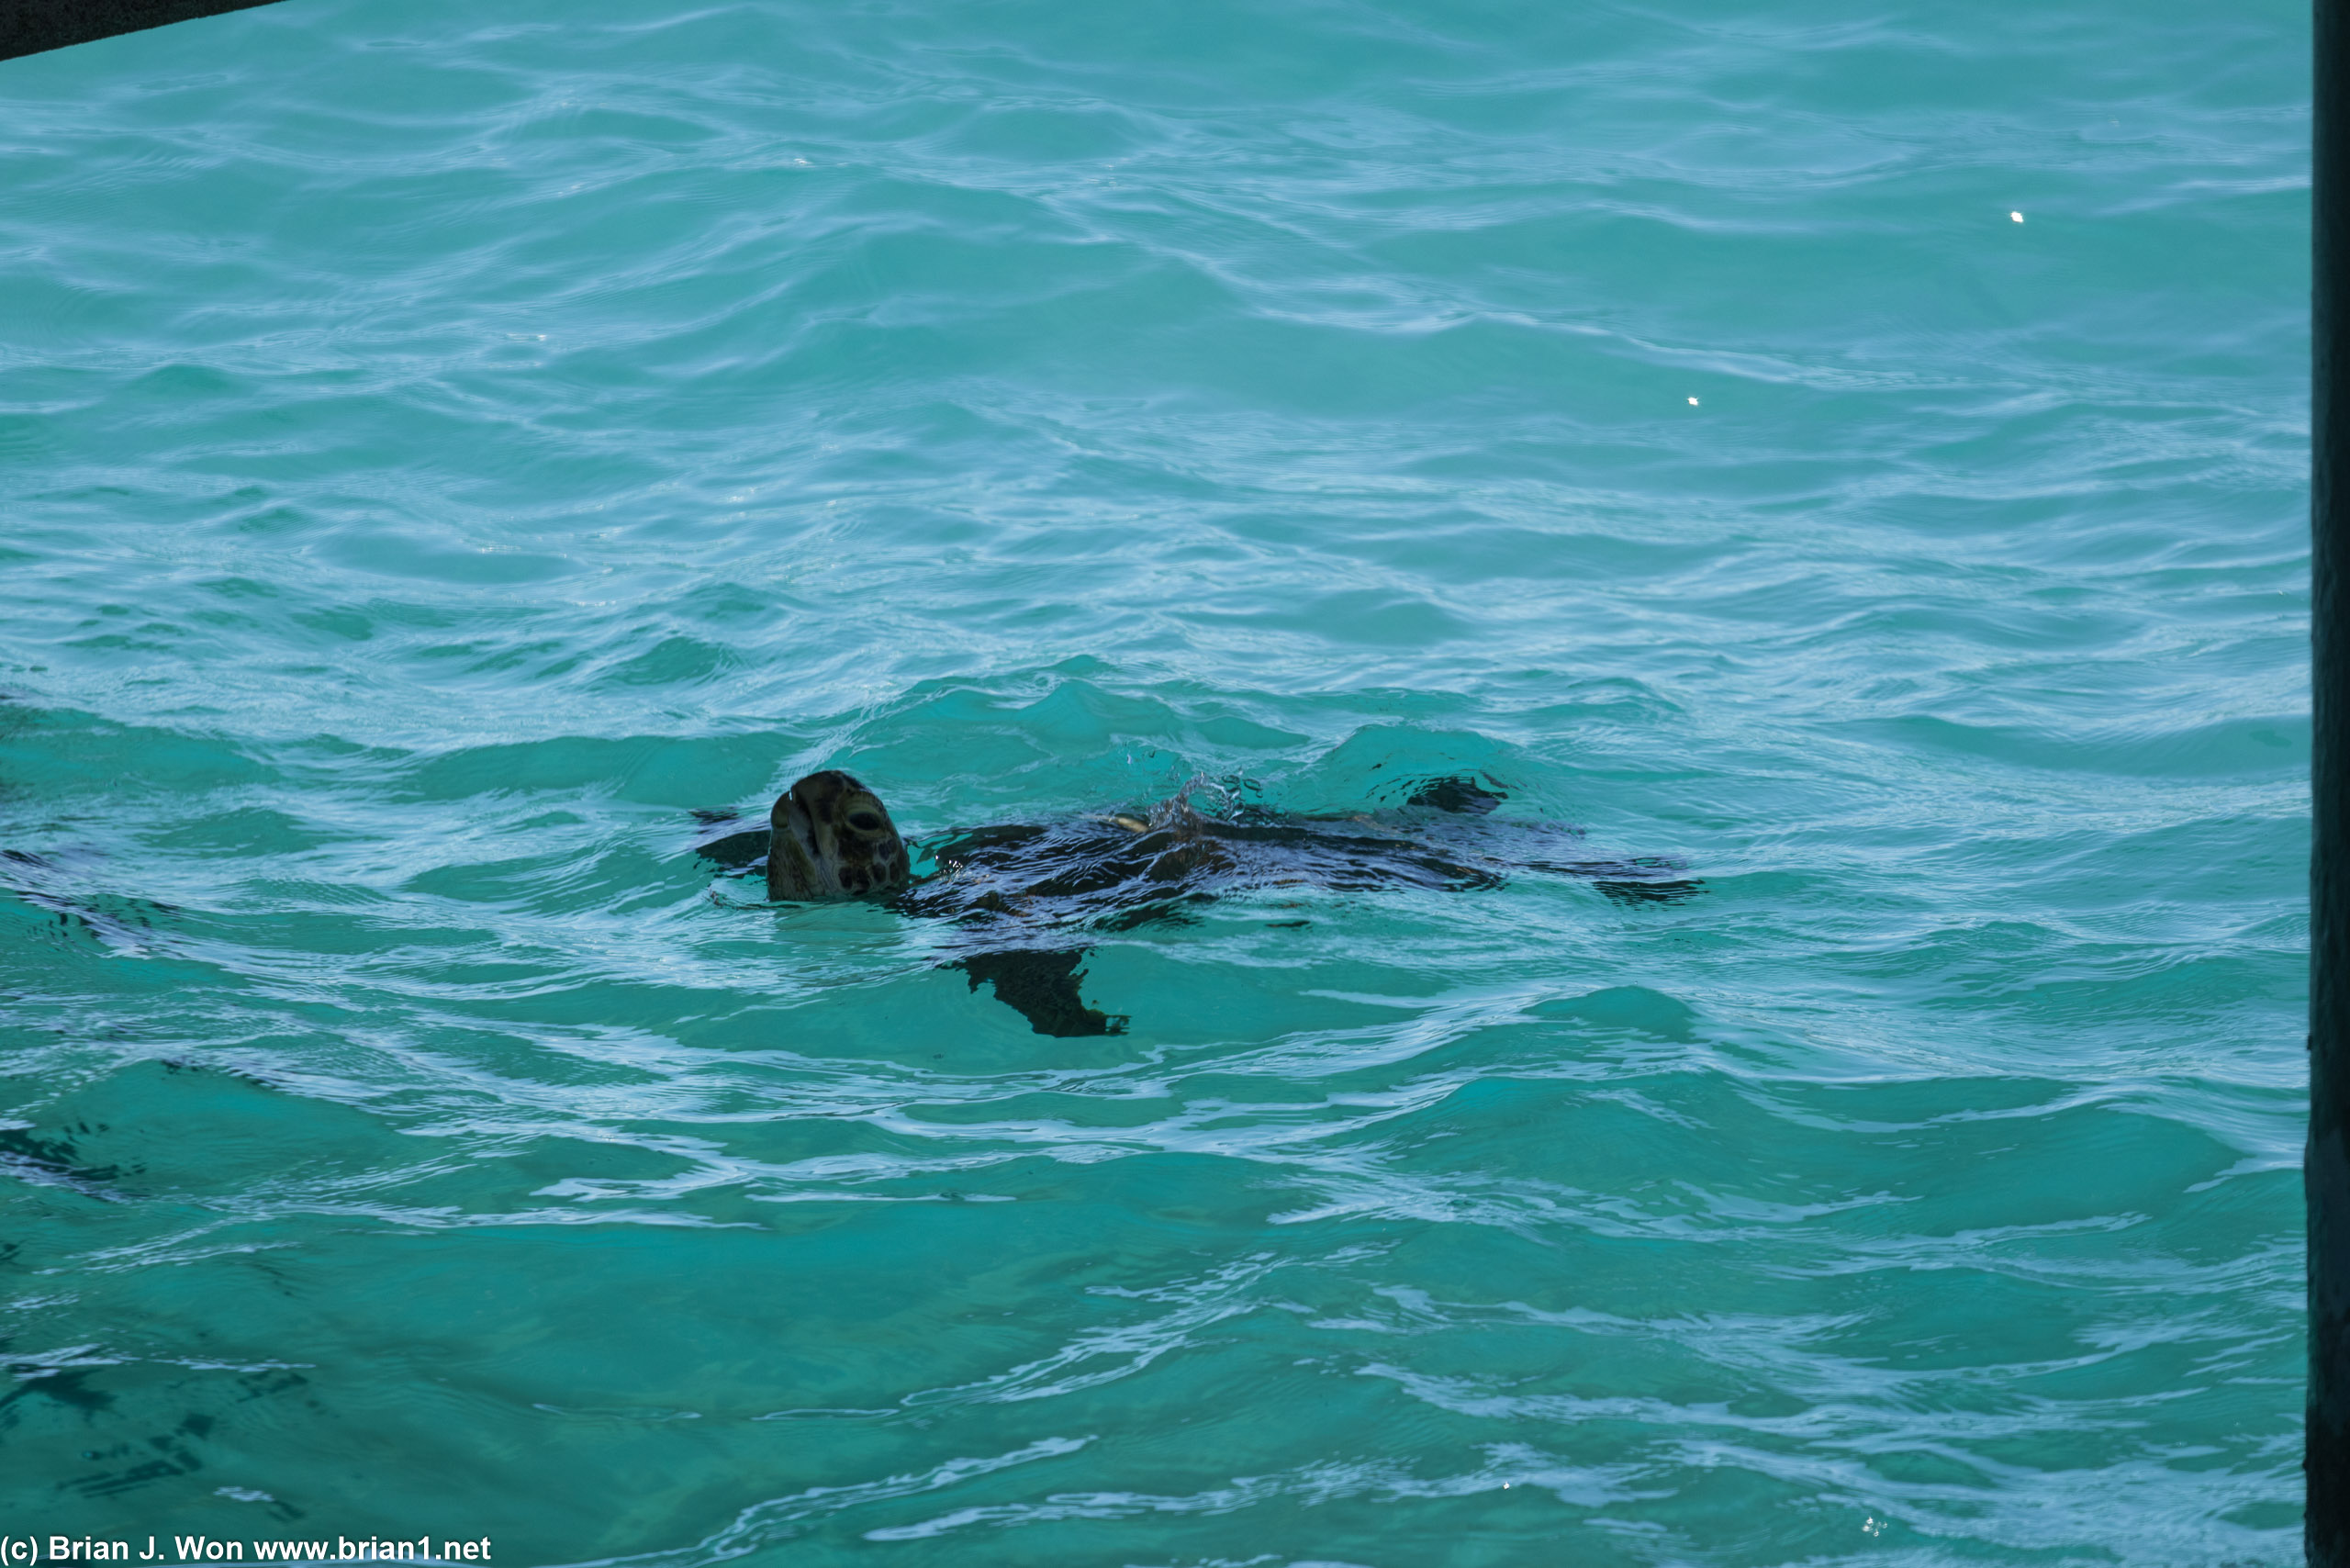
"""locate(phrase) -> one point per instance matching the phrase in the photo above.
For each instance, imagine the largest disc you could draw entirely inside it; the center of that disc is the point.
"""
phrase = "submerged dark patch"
(59, 1156)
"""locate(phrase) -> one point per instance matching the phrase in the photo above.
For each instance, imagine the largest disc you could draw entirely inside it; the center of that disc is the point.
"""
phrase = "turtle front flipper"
(725, 841)
(1041, 986)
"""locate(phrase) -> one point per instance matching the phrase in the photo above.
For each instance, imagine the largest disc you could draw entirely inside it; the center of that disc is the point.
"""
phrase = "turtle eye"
(865, 822)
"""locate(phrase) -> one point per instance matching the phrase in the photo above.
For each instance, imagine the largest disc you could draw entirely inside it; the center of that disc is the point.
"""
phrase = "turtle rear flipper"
(1041, 986)
(1644, 878)
(1624, 891)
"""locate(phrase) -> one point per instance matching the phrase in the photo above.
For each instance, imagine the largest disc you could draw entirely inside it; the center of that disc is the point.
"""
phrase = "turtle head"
(833, 839)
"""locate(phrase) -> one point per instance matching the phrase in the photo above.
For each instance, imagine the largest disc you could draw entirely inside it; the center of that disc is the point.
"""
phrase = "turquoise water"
(445, 446)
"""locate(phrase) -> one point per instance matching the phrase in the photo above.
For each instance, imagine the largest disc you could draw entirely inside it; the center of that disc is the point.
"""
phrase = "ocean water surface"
(1853, 450)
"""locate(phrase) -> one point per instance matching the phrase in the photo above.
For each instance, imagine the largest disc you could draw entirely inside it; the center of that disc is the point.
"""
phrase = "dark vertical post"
(29, 27)
(2325, 1168)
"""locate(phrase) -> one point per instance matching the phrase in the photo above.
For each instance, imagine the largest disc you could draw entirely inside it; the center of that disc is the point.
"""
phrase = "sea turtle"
(1024, 896)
